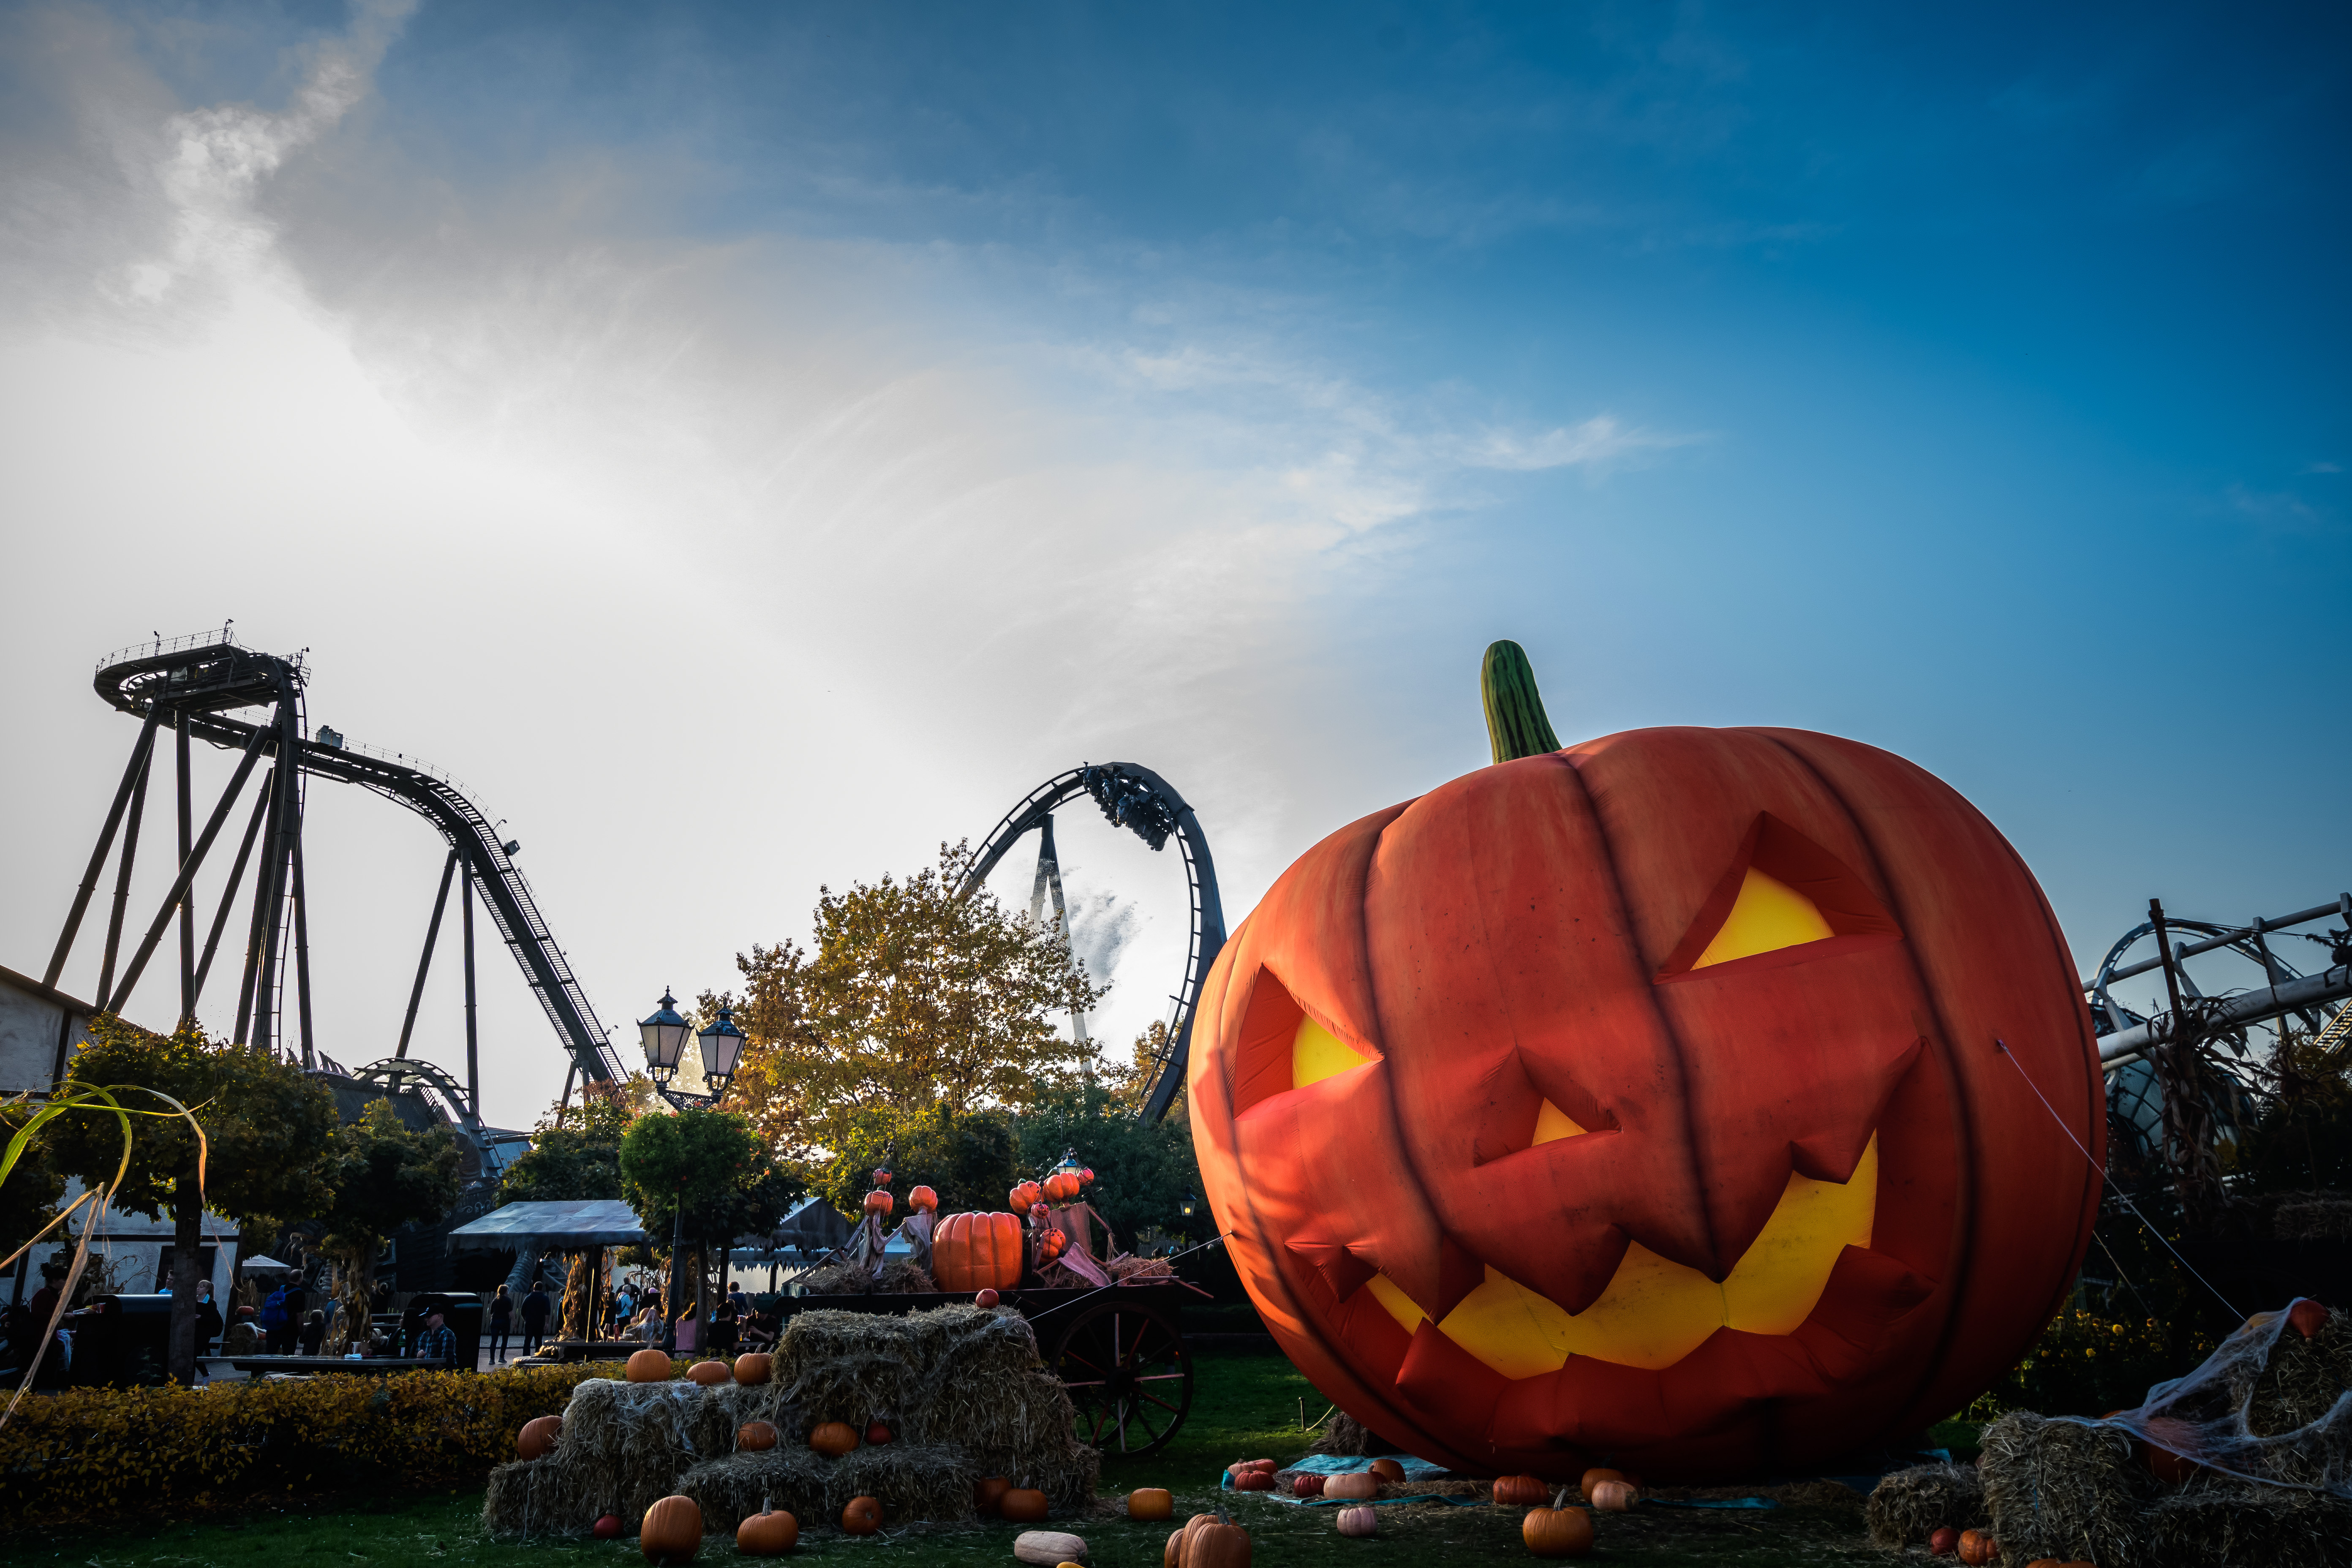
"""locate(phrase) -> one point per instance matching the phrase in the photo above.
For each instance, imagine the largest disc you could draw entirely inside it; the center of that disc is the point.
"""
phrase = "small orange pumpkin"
(767, 1534)
(862, 1517)
(648, 1366)
(1220, 1543)
(1254, 1481)
(711, 1373)
(1388, 1471)
(671, 1531)
(754, 1367)
(1179, 1543)
(1024, 1194)
(1558, 1530)
(538, 1438)
(1150, 1503)
(1978, 1548)
(1519, 1492)
(1022, 1505)
(988, 1495)
(755, 1437)
(834, 1438)
(1359, 1521)
(1353, 1486)
(1051, 1244)
(1943, 1541)
(923, 1199)
(1594, 1477)
(879, 1202)
(1061, 1186)
(1307, 1483)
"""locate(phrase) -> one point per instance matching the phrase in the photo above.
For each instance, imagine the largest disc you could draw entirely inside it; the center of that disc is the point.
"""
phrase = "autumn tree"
(271, 1129)
(386, 1174)
(968, 1160)
(910, 998)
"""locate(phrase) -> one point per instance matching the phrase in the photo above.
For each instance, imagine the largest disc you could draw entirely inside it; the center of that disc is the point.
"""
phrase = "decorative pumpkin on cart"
(1639, 1100)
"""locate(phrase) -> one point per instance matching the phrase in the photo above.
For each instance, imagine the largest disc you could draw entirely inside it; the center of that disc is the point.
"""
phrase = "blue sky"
(967, 392)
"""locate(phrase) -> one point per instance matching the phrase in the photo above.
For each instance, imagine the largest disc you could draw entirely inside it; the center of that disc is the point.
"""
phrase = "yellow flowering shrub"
(97, 1453)
(2085, 1364)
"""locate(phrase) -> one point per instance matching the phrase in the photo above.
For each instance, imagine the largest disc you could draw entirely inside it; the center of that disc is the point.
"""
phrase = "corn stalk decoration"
(102, 1100)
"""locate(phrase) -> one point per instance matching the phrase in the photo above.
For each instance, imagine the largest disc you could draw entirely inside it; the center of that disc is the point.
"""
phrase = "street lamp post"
(664, 1038)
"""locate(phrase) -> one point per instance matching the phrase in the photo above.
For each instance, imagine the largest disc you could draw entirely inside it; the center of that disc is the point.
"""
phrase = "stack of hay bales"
(1909, 1506)
(2271, 1413)
(961, 1389)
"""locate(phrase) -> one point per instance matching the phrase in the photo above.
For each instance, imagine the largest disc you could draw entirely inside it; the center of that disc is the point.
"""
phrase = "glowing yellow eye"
(1768, 915)
(1552, 1123)
(1317, 1053)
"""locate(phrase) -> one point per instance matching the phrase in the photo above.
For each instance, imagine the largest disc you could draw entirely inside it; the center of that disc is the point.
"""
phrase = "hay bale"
(2319, 1216)
(1345, 1436)
(2066, 1490)
(788, 1476)
(1908, 1506)
(851, 1277)
(2213, 1521)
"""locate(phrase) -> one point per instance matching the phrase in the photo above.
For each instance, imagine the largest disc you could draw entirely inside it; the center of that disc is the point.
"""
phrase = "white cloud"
(1599, 442)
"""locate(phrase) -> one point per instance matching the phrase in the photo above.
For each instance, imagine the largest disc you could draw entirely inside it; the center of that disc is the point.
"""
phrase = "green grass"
(1242, 1407)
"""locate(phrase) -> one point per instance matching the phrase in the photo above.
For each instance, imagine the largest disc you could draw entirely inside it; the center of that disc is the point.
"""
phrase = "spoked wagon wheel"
(1128, 1374)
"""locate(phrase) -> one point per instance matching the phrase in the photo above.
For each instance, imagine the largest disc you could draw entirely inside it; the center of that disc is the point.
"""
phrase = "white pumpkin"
(1049, 1548)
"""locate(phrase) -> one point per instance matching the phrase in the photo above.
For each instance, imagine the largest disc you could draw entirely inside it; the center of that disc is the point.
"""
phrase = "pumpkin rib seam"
(1964, 1252)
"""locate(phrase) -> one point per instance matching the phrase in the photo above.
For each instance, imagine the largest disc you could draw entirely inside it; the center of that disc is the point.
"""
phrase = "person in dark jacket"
(502, 1323)
(208, 1318)
(277, 1322)
(535, 1308)
(312, 1335)
(438, 1341)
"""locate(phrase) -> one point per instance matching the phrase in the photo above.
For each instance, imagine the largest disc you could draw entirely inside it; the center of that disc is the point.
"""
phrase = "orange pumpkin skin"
(1531, 932)
(988, 1495)
(922, 1199)
(833, 1438)
(1556, 1532)
(862, 1517)
(711, 1373)
(671, 1531)
(1976, 1548)
(978, 1252)
(754, 1367)
(755, 1436)
(1024, 1194)
(1022, 1505)
(1150, 1503)
(648, 1366)
(766, 1534)
(1594, 1477)
(1519, 1492)
(539, 1437)
(1388, 1471)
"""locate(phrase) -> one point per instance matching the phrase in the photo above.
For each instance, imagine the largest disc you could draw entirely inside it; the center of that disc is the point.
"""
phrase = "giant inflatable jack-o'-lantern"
(1639, 1102)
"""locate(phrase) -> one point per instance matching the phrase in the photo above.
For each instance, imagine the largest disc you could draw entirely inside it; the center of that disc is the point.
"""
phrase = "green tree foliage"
(386, 1176)
(709, 1172)
(970, 1160)
(574, 1153)
(272, 1133)
(714, 1163)
(1142, 1173)
(34, 1188)
(910, 998)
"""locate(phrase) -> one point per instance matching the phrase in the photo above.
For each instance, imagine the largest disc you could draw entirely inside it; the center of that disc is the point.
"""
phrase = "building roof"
(585, 1222)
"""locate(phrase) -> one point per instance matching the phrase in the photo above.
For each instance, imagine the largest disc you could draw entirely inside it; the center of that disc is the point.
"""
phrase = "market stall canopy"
(553, 1226)
(259, 1265)
(814, 1227)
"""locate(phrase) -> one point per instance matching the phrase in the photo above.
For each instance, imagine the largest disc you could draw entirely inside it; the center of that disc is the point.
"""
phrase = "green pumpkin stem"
(1515, 724)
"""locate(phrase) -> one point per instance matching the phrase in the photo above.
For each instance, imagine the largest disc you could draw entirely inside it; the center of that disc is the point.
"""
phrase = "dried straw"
(1908, 1506)
(963, 1390)
(1345, 1436)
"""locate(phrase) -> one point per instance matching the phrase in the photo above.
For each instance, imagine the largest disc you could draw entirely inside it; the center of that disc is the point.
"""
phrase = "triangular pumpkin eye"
(1316, 1053)
(1768, 915)
(1783, 899)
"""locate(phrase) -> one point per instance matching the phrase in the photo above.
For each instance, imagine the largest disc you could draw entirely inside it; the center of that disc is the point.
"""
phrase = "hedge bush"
(94, 1454)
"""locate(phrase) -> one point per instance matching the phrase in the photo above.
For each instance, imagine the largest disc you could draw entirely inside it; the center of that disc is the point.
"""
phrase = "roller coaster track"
(1133, 797)
(193, 686)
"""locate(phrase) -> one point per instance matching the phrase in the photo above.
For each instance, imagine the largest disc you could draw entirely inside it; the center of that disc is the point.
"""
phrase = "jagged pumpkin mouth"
(1655, 1311)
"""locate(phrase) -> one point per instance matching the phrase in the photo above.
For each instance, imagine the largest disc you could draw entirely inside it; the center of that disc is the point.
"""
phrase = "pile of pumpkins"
(1553, 1528)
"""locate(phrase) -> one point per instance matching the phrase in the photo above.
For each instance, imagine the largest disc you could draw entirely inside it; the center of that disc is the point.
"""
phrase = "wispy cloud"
(1601, 442)
(2279, 511)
